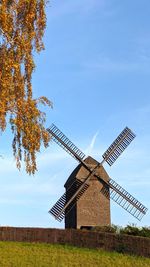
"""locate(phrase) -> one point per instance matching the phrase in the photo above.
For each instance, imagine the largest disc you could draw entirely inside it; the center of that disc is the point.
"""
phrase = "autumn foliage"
(22, 25)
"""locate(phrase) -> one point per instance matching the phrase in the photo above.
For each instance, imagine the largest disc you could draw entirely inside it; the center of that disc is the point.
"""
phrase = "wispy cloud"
(7, 165)
(78, 6)
(51, 157)
(32, 188)
(90, 148)
(142, 43)
(107, 64)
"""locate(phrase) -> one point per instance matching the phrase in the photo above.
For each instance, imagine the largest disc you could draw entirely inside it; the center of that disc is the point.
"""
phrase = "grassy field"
(17, 254)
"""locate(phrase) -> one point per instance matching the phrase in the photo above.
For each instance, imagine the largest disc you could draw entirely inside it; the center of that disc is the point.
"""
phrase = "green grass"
(17, 254)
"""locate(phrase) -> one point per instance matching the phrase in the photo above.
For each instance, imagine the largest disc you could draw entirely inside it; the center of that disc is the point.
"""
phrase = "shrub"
(145, 231)
(105, 228)
(130, 229)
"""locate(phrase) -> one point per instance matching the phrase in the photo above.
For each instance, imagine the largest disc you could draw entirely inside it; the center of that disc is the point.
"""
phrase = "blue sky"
(96, 70)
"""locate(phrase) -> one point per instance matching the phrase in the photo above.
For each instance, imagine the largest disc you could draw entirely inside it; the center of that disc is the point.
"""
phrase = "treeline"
(130, 229)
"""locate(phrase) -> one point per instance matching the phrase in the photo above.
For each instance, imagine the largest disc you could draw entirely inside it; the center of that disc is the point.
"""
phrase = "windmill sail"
(124, 199)
(68, 200)
(65, 143)
(118, 146)
(56, 210)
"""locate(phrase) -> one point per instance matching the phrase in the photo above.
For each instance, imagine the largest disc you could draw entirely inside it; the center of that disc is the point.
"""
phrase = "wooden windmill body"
(93, 208)
(89, 188)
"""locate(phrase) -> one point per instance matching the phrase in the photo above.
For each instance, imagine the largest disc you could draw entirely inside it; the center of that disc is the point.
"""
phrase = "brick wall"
(124, 243)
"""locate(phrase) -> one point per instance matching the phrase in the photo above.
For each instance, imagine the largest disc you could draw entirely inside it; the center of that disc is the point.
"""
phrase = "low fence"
(80, 238)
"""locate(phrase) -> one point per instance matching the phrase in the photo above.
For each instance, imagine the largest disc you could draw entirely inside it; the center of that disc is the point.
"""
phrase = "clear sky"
(96, 70)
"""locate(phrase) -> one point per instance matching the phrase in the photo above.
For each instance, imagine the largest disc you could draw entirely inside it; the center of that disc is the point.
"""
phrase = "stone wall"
(81, 238)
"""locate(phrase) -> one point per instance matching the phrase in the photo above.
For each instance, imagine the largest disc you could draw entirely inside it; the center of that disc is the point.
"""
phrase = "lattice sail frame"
(126, 200)
(118, 146)
(65, 143)
(117, 193)
(58, 210)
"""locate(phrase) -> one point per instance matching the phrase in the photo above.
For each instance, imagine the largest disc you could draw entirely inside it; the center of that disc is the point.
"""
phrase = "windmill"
(90, 183)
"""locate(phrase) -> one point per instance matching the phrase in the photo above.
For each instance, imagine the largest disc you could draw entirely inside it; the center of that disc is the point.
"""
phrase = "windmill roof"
(89, 160)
